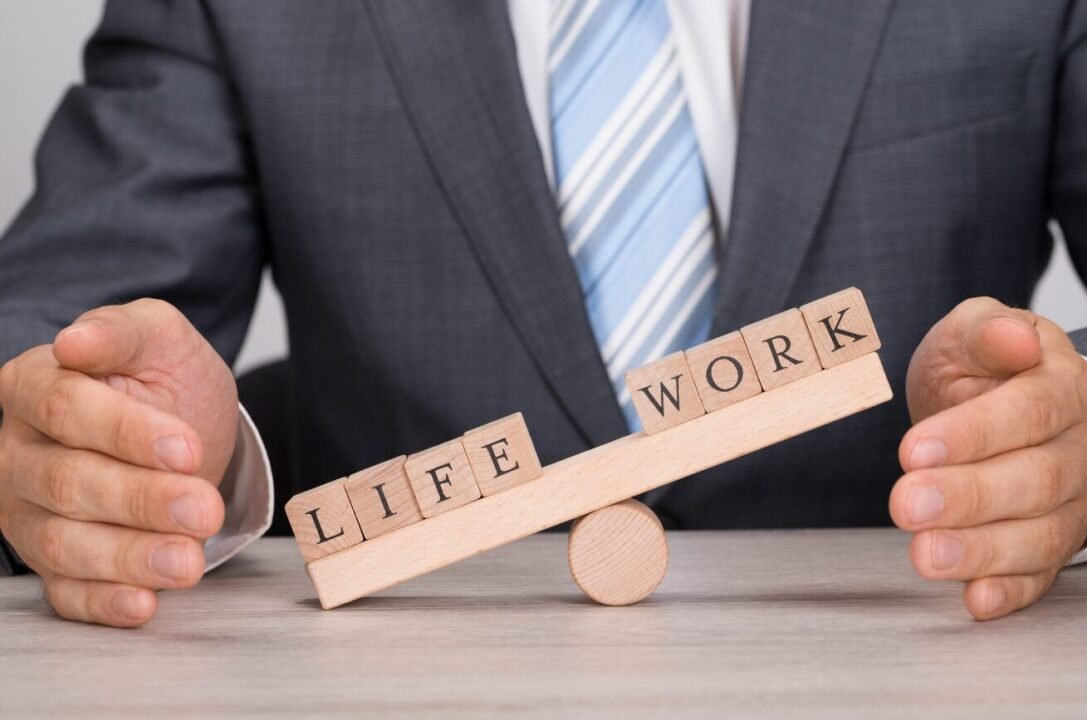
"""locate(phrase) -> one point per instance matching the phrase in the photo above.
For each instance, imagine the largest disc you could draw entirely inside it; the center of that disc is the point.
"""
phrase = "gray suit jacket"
(379, 156)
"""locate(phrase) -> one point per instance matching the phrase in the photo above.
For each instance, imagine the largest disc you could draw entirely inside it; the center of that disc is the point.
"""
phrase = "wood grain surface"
(600, 477)
(784, 624)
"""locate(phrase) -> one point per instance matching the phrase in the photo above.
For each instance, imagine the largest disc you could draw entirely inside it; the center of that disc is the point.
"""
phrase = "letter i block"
(781, 349)
(323, 521)
(502, 455)
(442, 478)
(841, 327)
(723, 372)
(382, 498)
(664, 393)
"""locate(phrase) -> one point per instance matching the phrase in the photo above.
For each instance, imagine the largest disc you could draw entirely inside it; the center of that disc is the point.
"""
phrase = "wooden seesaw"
(770, 381)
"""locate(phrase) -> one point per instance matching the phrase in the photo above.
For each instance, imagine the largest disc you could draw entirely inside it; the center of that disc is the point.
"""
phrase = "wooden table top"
(782, 624)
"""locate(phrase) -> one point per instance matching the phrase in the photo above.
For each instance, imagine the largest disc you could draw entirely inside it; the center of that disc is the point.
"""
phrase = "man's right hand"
(113, 444)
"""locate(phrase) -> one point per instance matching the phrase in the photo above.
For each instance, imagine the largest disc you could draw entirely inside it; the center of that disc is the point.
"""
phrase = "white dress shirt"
(711, 40)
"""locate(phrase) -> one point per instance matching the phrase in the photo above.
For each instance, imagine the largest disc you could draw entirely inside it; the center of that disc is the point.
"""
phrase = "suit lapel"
(455, 65)
(806, 71)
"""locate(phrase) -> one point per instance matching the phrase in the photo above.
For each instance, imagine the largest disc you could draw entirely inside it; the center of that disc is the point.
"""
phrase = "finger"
(100, 602)
(983, 337)
(85, 485)
(1009, 547)
(1023, 483)
(126, 339)
(994, 597)
(80, 412)
(95, 551)
(1023, 412)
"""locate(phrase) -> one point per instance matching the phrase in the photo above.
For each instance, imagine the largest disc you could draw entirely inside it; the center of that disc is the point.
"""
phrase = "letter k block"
(664, 393)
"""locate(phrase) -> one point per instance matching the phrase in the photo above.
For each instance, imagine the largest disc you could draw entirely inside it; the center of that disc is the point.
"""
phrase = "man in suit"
(467, 207)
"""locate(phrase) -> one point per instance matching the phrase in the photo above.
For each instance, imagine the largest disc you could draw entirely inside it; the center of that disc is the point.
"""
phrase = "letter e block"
(442, 478)
(664, 393)
(501, 454)
(382, 498)
(781, 349)
(323, 521)
(723, 372)
(841, 327)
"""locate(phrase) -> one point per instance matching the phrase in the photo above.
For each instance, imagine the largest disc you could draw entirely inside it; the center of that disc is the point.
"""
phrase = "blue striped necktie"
(629, 182)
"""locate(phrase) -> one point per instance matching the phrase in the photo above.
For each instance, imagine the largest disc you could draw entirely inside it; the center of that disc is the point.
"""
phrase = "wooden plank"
(600, 477)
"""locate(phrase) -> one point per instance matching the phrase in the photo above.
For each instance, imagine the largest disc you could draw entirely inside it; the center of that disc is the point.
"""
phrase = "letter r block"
(382, 498)
(664, 393)
(323, 521)
(841, 327)
(441, 478)
(781, 349)
(723, 372)
(501, 454)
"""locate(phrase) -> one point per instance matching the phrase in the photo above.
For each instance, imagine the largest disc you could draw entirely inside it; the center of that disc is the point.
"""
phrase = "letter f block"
(664, 393)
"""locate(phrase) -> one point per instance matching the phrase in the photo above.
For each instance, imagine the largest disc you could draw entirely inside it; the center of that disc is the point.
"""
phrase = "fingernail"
(188, 512)
(997, 598)
(924, 503)
(173, 452)
(946, 551)
(73, 329)
(928, 453)
(171, 561)
(129, 604)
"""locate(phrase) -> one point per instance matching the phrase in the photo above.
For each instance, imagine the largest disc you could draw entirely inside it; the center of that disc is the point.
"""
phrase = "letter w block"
(664, 393)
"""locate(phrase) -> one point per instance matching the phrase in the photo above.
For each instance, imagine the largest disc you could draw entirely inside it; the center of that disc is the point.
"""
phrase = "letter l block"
(323, 521)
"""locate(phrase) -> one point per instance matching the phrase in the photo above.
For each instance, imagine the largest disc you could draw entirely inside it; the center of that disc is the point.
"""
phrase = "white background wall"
(40, 46)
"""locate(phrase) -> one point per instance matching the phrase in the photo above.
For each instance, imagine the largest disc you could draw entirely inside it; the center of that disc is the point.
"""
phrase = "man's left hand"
(995, 489)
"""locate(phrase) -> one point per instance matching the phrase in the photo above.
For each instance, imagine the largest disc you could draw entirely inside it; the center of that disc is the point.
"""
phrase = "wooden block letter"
(841, 327)
(722, 371)
(781, 349)
(501, 454)
(442, 478)
(382, 498)
(322, 521)
(664, 393)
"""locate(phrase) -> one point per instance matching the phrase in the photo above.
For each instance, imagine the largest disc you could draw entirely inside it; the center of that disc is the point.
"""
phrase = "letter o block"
(723, 372)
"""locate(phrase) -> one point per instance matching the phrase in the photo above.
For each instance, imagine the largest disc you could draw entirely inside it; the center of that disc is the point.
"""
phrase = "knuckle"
(1043, 418)
(986, 553)
(1048, 488)
(1053, 542)
(61, 492)
(137, 506)
(7, 382)
(53, 410)
(52, 549)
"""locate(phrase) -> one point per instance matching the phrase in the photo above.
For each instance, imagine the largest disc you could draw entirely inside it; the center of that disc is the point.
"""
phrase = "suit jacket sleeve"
(144, 187)
(1069, 160)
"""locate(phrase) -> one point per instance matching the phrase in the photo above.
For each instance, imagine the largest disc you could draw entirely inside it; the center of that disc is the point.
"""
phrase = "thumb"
(126, 339)
(986, 338)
